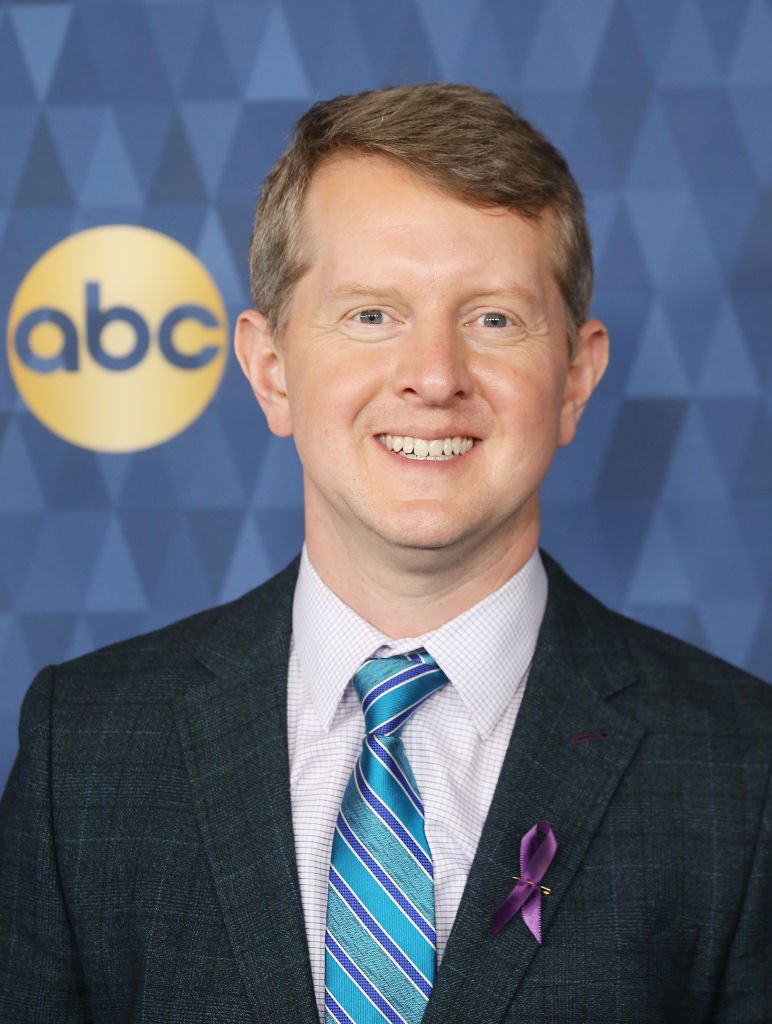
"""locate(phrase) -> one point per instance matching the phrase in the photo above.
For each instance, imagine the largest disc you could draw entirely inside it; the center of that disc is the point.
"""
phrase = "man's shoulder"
(657, 676)
(167, 658)
(689, 686)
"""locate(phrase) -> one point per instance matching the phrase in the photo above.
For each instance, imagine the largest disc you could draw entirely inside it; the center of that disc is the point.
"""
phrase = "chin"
(426, 524)
(416, 535)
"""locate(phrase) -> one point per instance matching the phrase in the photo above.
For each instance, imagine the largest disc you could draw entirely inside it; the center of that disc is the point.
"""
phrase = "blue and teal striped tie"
(380, 942)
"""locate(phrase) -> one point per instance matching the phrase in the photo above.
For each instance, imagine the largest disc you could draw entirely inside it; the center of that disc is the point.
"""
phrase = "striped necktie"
(380, 941)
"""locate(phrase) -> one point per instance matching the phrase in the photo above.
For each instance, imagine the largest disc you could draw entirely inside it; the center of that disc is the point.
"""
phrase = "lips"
(422, 448)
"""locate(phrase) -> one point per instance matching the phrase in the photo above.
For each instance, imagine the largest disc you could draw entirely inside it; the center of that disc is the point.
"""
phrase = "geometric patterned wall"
(168, 115)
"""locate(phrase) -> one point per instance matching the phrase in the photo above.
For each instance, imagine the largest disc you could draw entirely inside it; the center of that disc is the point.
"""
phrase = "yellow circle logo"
(117, 338)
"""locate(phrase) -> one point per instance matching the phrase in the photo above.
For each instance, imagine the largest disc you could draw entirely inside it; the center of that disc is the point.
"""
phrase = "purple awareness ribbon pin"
(535, 858)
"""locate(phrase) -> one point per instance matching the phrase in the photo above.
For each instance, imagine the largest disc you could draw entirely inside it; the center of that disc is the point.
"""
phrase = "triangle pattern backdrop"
(168, 115)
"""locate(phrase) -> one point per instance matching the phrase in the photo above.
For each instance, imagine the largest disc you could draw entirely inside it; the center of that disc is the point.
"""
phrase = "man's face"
(423, 370)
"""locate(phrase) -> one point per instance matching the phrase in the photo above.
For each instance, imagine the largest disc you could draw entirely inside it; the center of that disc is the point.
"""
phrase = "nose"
(433, 364)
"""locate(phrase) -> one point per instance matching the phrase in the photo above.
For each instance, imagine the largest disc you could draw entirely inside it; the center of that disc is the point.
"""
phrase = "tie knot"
(391, 689)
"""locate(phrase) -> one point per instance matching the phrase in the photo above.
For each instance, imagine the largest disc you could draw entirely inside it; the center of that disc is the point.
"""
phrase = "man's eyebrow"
(518, 291)
(359, 289)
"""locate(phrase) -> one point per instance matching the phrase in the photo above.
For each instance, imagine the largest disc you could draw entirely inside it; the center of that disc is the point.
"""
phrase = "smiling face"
(423, 371)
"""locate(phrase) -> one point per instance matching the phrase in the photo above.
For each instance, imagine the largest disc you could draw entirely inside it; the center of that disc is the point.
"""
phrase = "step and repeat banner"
(138, 482)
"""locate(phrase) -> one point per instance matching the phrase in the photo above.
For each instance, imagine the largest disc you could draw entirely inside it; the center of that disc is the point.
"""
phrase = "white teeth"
(419, 448)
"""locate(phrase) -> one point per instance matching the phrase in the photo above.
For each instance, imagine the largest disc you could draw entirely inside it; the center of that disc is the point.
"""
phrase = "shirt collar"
(485, 651)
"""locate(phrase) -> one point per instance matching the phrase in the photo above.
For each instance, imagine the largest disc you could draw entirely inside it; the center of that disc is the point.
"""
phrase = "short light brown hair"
(462, 140)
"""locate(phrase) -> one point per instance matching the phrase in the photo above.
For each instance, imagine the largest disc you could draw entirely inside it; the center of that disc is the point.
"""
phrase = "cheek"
(529, 399)
(324, 402)
(338, 389)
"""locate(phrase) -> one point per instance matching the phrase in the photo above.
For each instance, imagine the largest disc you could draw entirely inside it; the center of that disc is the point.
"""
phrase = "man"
(191, 831)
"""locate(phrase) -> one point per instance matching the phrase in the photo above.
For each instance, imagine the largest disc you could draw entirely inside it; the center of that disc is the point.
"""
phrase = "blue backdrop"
(168, 114)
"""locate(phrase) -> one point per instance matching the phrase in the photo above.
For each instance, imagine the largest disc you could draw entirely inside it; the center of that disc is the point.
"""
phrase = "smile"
(439, 449)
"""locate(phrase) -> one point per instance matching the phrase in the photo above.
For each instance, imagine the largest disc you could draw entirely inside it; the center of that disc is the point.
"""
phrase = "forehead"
(362, 207)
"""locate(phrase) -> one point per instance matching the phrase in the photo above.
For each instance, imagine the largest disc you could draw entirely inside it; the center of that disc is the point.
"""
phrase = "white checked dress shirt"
(455, 743)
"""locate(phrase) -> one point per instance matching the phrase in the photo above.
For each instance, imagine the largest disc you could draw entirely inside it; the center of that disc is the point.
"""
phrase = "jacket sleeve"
(40, 975)
(745, 996)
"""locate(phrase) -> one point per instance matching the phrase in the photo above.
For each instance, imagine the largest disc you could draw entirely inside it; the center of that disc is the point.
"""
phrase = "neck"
(407, 592)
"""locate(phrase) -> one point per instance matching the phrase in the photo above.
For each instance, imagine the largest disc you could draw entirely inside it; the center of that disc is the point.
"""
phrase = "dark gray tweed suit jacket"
(148, 869)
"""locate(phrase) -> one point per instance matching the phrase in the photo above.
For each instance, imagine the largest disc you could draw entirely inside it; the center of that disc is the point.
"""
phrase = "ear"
(261, 360)
(585, 371)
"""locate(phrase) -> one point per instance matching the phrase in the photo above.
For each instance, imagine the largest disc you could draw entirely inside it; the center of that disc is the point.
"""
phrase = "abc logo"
(117, 338)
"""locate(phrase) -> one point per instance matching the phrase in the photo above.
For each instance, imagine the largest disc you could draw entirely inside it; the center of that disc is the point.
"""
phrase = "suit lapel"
(233, 731)
(544, 776)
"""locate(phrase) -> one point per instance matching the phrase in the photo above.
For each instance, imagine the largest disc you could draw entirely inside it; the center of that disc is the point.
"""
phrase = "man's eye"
(495, 320)
(371, 316)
